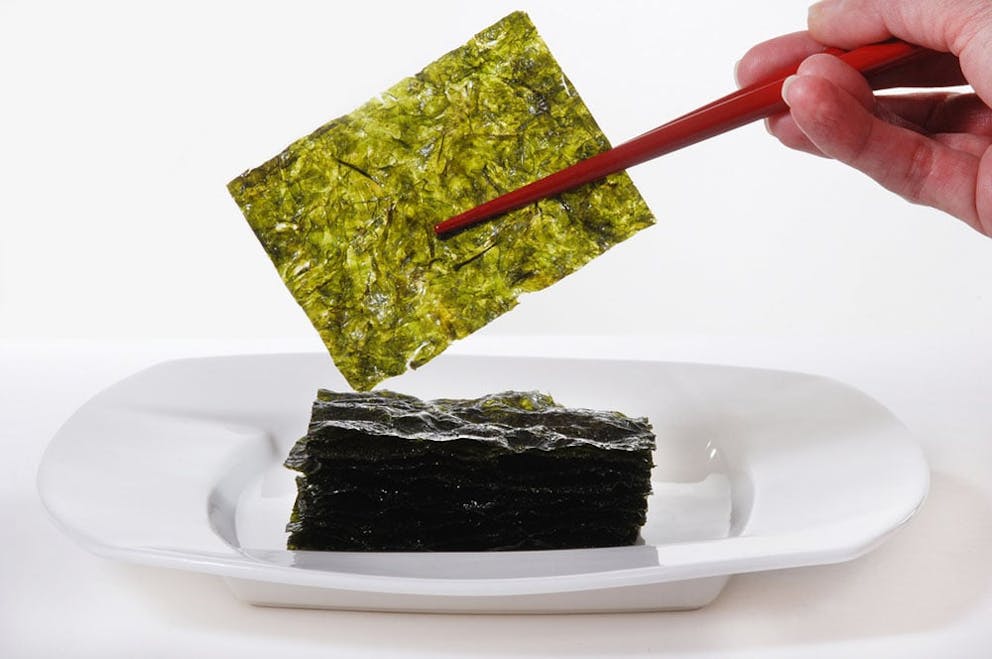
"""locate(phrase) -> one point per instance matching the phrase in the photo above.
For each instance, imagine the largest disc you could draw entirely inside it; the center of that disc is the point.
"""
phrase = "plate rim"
(237, 565)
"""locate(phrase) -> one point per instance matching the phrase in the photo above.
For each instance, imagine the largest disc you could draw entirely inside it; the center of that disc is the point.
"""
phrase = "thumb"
(960, 27)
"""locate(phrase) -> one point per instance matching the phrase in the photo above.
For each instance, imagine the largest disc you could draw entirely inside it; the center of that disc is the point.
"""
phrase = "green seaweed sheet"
(346, 213)
(383, 471)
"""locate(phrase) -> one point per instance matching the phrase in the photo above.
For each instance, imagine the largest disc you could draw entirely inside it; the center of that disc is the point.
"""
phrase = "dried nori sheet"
(346, 213)
(388, 472)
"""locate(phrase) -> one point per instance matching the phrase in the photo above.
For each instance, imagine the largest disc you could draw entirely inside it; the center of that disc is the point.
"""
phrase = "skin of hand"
(932, 148)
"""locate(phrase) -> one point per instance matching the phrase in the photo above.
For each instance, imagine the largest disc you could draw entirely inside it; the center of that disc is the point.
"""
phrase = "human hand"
(930, 148)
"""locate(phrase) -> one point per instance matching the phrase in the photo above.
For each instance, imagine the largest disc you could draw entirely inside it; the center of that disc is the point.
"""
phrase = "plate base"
(673, 596)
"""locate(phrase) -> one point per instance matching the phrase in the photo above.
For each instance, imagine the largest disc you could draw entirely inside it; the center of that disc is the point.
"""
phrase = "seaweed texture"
(346, 213)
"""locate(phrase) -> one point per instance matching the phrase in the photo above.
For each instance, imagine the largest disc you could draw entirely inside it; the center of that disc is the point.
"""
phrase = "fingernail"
(785, 89)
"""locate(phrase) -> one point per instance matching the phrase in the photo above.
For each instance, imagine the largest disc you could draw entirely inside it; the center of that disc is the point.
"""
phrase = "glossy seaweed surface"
(388, 472)
(346, 213)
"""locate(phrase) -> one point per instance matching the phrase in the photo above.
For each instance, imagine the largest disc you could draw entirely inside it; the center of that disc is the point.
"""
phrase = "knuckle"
(859, 147)
(918, 171)
(967, 21)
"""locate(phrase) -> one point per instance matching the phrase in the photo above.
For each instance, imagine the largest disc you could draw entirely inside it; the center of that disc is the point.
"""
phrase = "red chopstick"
(733, 111)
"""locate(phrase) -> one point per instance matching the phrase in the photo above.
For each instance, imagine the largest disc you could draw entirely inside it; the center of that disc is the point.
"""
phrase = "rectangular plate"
(180, 466)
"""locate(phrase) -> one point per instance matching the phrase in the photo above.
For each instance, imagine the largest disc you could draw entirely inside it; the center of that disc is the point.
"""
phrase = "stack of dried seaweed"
(388, 472)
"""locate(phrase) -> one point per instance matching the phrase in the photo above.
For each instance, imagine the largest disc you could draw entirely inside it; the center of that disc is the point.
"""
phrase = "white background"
(122, 123)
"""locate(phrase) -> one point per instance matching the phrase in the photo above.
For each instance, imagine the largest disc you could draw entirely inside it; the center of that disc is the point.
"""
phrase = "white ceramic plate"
(180, 466)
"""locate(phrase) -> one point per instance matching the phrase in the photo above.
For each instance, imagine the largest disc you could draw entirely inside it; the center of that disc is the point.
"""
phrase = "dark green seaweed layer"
(387, 472)
(346, 213)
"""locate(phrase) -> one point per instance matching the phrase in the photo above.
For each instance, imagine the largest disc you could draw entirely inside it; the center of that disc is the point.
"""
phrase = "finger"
(826, 66)
(935, 25)
(829, 67)
(842, 75)
(984, 200)
(930, 113)
(769, 60)
(976, 145)
(960, 121)
(960, 27)
(777, 58)
(773, 55)
(912, 165)
(785, 129)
